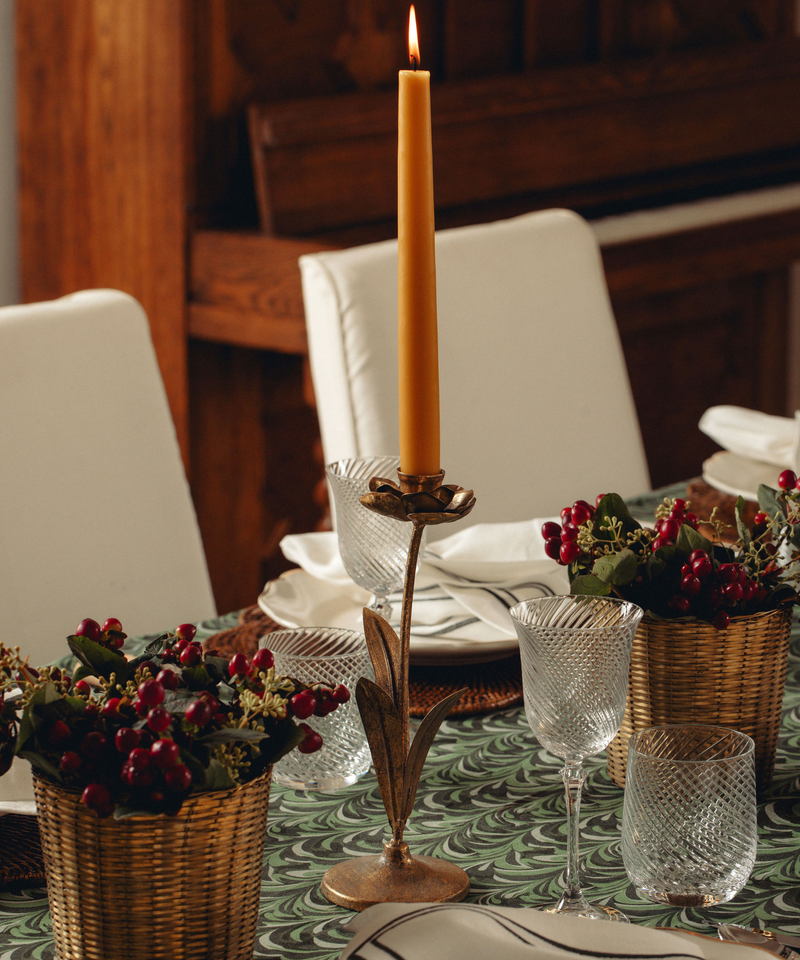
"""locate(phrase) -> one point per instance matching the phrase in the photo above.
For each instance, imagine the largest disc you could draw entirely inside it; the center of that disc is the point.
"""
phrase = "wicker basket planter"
(154, 887)
(692, 673)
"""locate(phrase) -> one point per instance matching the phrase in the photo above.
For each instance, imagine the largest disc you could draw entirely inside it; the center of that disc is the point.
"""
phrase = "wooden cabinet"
(137, 172)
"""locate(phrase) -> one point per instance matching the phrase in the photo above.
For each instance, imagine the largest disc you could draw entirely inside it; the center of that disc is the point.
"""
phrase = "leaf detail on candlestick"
(384, 652)
(420, 746)
(384, 732)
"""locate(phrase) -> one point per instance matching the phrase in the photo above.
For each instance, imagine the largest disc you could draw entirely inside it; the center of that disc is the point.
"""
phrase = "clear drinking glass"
(374, 548)
(330, 656)
(575, 653)
(689, 818)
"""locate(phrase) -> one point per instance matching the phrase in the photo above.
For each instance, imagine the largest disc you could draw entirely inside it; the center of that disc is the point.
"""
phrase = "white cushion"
(536, 407)
(96, 518)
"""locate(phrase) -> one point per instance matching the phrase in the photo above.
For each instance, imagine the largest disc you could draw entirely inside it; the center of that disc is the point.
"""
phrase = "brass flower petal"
(442, 505)
(382, 485)
(386, 504)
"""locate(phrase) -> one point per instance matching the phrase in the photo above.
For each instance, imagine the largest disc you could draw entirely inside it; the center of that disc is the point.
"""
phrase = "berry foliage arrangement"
(140, 735)
(673, 569)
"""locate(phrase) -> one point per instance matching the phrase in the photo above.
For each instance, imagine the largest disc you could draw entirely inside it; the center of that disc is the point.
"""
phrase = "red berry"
(734, 591)
(168, 679)
(239, 665)
(139, 707)
(569, 552)
(692, 520)
(169, 656)
(721, 620)
(598, 498)
(681, 602)
(263, 659)
(198, 713)
(158, 719)
(112, 624)
(749, 588)
(714, 595)
(88, 628)
(186, 631)
(669, 529)
(126, 739)
(551, 529)
(787, 480)
(180, 645)
(91, 711)
(686, 570)
(760, 519)
(93, 745)
(110, 709)
(303, 704)
(178, 778)
(727, 573)
(660, 542)
(677, 515)
(165, 753)
(83, 688)
(312, 740)
(691, 585)
(70, 762)
(570, 533)
(58, 733)
(139, 758)
(191, 655)
(581, 512)
(96, 796)
(702, 567)
(678, 504)
(340, 693)
(151, 692)
(552, 547)
(566, 516)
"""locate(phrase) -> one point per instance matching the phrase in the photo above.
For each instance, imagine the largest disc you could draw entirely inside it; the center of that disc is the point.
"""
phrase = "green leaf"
(769, 503)
(283, 741)
(101, 661)
(741, 527)
(198, 678)
(590, 585)
(37, 760)
(217, 777)
(233, 734)
(617, 569)
(654, 566)
(690, 540)
(612, 505)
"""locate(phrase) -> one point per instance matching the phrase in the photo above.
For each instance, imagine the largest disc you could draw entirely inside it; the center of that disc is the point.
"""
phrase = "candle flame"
(413, 39)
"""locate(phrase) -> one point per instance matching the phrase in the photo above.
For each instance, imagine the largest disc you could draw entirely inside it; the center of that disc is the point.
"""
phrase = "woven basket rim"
(694, 622)
(194, 796)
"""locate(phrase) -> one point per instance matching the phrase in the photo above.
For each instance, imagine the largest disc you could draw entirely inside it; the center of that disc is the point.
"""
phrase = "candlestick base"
(394, 877)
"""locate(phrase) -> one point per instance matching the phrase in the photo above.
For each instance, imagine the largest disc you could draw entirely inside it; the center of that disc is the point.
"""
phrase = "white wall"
(9, 258)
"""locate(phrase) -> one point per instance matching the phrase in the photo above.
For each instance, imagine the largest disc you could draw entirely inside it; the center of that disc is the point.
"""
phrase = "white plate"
(296, 599)
(738, 476)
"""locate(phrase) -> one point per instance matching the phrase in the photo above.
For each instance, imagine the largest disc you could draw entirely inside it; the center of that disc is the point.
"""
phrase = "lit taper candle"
(417, 334)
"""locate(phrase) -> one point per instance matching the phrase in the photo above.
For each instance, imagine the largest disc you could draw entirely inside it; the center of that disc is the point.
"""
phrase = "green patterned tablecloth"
(491, 801)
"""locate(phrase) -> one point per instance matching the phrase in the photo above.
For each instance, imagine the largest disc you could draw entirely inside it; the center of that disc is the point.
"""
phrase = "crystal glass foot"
(329, 656)
(689, 820)
(374, 548)
(575, 653)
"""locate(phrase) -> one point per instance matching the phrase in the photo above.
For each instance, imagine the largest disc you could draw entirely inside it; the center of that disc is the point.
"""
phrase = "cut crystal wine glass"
(575, 657)
(374, 548)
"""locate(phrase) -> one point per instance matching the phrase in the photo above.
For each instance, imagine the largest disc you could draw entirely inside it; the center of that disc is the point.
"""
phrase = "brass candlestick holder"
(394, 876)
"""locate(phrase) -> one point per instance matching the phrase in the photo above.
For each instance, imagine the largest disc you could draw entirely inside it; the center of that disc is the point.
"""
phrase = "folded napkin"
(452, 931)
(466, 583)
(755, 435)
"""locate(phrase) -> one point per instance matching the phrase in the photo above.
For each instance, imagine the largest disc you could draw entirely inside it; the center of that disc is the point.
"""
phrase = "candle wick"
(413, 61)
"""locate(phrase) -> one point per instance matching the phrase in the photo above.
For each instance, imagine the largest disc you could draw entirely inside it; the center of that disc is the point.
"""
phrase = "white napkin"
(453, 931)
(465, 584)
(16, 789)
(755, 435)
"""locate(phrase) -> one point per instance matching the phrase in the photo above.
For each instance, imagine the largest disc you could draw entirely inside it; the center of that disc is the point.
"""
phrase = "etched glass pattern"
(330, 656)
(575, 657)
(374, 548)
(689, 818)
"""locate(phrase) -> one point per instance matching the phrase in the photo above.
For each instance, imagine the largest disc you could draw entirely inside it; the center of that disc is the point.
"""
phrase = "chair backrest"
(536, 407)
(96, 518)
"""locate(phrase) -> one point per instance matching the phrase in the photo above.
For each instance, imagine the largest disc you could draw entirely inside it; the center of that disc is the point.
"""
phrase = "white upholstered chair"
(536, 407)
(96, 518)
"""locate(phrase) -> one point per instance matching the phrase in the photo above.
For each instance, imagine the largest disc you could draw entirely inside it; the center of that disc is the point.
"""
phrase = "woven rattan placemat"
(21, 864)
(491, 686)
